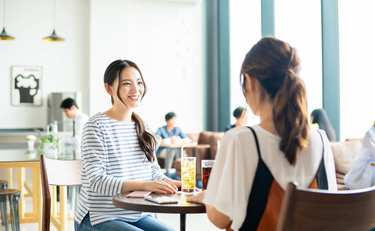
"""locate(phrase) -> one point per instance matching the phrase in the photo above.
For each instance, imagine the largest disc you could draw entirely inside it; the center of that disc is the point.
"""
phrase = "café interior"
(191, 54)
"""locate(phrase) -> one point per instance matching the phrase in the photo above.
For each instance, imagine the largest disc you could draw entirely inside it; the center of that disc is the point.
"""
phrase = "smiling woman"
(124, 82)
(118, 157)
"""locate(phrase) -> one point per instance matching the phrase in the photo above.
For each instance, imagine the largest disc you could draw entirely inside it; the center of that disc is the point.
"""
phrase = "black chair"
(320, 117)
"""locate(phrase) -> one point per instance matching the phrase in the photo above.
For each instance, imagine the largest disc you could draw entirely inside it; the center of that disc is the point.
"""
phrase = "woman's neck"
(238, 123)
(120, 114)
(266, 119)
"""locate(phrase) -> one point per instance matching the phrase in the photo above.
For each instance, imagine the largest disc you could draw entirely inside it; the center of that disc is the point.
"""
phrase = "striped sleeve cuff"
(116, 186)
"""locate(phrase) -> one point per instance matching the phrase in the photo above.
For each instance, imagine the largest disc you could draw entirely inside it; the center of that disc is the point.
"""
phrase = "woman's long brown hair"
(275, 65)
(146, 140)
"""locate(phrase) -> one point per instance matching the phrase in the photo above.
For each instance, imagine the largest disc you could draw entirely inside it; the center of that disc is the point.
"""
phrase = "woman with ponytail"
(118, 156)
(254, 164)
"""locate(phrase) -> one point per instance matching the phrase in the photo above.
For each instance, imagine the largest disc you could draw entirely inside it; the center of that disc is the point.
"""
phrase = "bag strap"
(256, 142)
(321, 175)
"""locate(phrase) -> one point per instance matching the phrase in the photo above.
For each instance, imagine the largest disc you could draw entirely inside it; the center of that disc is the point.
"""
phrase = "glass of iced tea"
(206, 171)
(188, 166)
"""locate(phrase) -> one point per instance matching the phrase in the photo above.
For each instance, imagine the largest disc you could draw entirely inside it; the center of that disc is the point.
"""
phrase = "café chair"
(312, 209)
(3, 184)
(319, 116)
(12, 196)
(3, 208)
(59, 173)
(209, 138)
(212, 139)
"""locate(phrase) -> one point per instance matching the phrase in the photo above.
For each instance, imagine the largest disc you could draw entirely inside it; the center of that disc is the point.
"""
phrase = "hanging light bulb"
(4, 35)
(53, 37)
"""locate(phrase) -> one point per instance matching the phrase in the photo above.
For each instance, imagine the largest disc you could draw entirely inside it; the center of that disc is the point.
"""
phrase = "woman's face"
(130, 88)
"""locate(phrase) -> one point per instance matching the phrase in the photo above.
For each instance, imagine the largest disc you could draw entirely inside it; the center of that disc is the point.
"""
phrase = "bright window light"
(299, 23)
(245, 31)
(357, 49)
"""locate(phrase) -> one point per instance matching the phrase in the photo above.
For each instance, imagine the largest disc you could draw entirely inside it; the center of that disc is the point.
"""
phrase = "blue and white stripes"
(110, 155)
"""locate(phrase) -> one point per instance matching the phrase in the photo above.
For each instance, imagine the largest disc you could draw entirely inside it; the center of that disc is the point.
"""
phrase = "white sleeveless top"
(232, 176)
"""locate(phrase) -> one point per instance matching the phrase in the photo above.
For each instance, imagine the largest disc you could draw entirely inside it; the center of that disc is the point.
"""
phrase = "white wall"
(165, 38)
(65, 65)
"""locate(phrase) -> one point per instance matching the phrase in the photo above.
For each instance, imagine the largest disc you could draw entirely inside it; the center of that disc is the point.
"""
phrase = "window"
(357, 80)
(245, 31)
(299, 23)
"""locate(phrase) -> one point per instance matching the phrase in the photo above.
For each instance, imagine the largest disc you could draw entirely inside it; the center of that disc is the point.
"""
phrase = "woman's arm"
(219, 219)
(93, 153)
(230, 180)
(93, 163)
(158, 175)
(94, 168)
(159, 183)
(158, 186)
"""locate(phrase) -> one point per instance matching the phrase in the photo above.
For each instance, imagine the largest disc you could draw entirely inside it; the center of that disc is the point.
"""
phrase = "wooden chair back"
(211, 138)
(56, 172)
(312, 209)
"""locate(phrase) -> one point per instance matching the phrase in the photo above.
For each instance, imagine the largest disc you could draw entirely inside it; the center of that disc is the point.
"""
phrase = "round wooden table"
(139, 204)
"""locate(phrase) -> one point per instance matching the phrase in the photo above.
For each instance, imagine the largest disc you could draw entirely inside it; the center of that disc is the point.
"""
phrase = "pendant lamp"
(53, 37)
(4, 35)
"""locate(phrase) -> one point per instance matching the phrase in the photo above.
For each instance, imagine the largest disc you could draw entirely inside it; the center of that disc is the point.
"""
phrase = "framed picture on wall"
(26, 82)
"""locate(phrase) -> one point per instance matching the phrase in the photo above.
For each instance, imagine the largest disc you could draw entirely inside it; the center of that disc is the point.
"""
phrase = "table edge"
(159, 208)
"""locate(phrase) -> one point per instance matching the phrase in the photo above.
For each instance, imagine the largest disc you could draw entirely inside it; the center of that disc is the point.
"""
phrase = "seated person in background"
(362, 173)
(254, 165)
(320, 117)
(79, 119)
(170, 135)
(240, 114)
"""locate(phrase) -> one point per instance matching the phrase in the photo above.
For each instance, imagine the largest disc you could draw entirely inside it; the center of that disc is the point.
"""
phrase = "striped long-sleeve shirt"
(111, 155)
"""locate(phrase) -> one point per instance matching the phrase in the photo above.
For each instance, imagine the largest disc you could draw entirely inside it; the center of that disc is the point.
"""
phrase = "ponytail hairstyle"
(275, 65)
(146, 140)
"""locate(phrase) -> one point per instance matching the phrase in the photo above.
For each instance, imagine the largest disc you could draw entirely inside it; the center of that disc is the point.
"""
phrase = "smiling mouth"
(134, 98)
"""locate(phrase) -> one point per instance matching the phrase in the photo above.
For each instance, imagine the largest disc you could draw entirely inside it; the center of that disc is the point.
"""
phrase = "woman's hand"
(196, 198)
(175, 183)
(159, 186)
